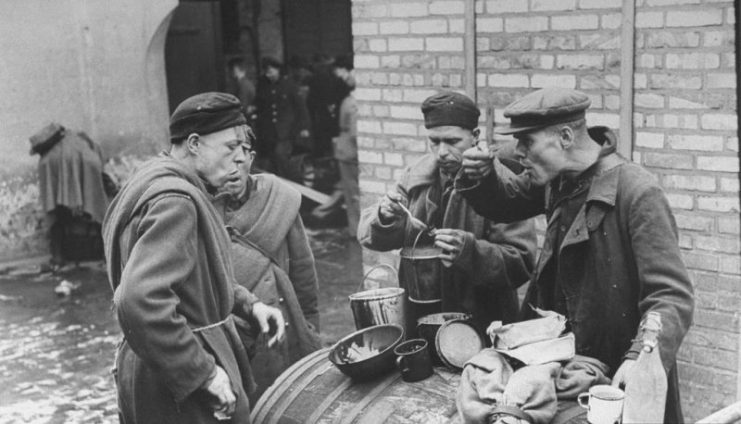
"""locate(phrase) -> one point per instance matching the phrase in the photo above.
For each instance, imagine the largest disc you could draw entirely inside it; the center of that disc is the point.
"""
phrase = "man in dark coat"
(484, 263)
(281, 117)
(326, 92)
(167, 249)
(610, 253)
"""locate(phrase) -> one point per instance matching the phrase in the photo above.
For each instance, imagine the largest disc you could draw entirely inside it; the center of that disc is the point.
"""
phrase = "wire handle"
(375, 267)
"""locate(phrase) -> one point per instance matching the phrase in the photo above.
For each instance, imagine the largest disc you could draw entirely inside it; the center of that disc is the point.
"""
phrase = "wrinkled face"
(219, 156)
(272, 73)
(542, 155)
(448, 143)
(236, 187)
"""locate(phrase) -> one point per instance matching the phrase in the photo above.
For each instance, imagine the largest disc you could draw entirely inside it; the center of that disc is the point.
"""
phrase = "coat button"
(287, 324)
(281, 300)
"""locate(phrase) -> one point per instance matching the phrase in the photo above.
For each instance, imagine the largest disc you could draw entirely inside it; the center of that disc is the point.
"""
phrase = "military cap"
(542, 108)
(205, 113)
(450, 108)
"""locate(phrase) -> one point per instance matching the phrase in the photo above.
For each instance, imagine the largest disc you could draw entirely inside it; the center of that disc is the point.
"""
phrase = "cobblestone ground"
(56, 352)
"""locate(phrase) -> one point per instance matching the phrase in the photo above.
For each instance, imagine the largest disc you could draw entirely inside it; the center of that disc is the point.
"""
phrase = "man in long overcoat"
(610, 253)
(181, 360)
(281, 116)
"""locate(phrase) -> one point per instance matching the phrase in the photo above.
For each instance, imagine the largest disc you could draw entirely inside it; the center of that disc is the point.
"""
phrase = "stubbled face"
(448, 144)
(236, 187)
(272, 73)
(220, 155)
(542, 155)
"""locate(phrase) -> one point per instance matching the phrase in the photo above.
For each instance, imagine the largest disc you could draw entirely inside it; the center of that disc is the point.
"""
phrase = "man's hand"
(451, 241)
(267, 317)
(622, 374)
(219, 387)
(477, 163)
(389, 209)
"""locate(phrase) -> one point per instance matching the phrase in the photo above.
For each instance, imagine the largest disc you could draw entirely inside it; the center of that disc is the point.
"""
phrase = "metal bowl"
(379, 339)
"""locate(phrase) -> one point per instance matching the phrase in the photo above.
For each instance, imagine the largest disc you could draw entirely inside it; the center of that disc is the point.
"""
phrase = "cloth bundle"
(530, 367)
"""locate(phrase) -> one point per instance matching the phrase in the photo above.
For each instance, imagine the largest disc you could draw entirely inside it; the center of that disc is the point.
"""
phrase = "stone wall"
(684, 117)
(89, 65)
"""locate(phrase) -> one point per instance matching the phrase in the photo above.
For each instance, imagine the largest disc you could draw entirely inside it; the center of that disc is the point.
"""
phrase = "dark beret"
(542, 108)
(270, 61)
(450, 108)
(206, 113)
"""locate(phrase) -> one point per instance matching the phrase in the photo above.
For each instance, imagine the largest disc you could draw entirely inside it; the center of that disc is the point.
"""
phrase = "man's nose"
(520, 151)
(241, 156)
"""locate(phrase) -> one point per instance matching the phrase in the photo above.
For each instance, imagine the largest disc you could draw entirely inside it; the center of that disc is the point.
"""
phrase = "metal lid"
(457, 341)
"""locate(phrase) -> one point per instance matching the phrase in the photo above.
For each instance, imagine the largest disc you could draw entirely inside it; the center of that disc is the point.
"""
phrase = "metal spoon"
(416, 222)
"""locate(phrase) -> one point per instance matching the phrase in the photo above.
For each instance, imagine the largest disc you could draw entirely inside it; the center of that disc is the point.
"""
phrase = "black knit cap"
(205, 113)
(450, 108)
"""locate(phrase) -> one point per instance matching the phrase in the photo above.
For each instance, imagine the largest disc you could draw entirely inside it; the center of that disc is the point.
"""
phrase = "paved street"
(56, 352)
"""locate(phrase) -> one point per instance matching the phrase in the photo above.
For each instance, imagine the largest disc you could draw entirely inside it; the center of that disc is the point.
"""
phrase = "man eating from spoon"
(484, 263)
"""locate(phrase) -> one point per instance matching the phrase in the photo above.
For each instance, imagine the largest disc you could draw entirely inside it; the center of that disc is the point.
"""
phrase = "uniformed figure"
(610, 253)
(484, 262)
(281, 117)
(181, 360)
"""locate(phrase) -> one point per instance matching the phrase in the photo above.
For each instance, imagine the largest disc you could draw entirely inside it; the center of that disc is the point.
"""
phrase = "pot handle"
(414, 246)
(375, 267)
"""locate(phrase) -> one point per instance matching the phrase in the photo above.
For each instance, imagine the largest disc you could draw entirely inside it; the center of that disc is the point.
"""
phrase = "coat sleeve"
(243, 301)
(302, 272)
(502, 196)
(376, 235)
(664, 285)
(299, 109)
(163, 257)
(505, 255)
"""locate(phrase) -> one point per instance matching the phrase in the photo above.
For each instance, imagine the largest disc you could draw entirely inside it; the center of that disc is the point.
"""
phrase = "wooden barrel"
(315, 391)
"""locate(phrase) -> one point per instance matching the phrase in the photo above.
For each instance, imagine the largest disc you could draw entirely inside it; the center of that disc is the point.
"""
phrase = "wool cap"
(206, 113)
(542, 108)
(450, 108)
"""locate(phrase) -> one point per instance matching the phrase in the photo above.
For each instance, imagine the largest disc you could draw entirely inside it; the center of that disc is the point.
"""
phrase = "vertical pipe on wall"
(627, 60)
(469, 47)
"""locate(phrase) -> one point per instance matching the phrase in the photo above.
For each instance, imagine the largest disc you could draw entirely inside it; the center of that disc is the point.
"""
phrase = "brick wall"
(684, 117)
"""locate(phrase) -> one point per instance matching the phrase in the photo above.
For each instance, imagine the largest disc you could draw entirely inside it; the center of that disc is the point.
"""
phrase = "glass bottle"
(646, 384)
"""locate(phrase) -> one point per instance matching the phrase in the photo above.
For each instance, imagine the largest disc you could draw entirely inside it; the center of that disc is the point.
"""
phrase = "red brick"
(722, 321)
(668, 160)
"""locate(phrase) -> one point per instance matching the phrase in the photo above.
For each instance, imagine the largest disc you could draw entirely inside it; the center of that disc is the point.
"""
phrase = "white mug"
(604, 404)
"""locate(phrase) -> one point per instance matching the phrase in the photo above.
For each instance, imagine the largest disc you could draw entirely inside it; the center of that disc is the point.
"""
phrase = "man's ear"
(566, 136)
(476, 132)
(192, 143)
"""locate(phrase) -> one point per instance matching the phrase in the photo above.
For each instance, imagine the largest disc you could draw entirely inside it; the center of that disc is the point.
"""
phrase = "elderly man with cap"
(610, 254)
(484, 263)
(181, 360)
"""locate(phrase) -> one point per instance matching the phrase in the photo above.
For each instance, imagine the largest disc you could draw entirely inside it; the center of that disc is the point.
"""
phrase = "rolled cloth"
(450, 108)
(206, 113)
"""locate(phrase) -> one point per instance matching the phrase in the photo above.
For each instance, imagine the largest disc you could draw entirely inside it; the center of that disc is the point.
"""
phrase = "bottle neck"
(651, 327)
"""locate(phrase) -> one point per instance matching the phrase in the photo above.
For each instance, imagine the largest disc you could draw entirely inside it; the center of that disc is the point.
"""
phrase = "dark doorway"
(194, 58)
(317, 26)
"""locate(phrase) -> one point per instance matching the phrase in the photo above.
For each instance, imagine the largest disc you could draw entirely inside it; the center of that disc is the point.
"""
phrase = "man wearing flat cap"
(610, 253)
(167, 250)
(484, 263)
